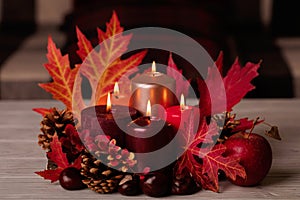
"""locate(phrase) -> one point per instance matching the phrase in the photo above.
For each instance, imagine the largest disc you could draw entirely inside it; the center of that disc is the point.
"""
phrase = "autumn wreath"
(200, 166)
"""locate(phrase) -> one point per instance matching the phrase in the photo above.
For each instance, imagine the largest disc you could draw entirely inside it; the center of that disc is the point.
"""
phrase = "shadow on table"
(277, 176)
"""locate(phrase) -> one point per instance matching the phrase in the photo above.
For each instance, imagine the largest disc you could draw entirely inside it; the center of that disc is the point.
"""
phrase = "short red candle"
(148, 134)
(140, 136)
(92, 118)
(175, 115)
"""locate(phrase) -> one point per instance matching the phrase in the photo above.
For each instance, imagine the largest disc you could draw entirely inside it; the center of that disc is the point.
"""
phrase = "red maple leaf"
(237, 83)
(182, 85)
(205, 134)
(60, 159)
(245, 124)
(219, 62)
(203, 159)
(56, 154)
(52, 175)
(72, 141)
(192, 140)
(212, 88)
(213, 161)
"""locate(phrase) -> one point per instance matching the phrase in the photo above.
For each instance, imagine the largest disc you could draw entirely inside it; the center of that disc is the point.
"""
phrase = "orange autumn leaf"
(112, 45)
(42, 111)
(91, 62)
(85, 46)
(115, 72)
(102, 65)
(113, 41)
(63, 76)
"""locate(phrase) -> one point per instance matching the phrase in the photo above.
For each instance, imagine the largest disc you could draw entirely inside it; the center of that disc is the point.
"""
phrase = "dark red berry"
(221, 175)
(71, 179)
(129, 186)
(156, 185)
(184, 185)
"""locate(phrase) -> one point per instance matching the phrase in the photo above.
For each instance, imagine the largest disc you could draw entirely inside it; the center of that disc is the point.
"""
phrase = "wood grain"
(21, 156)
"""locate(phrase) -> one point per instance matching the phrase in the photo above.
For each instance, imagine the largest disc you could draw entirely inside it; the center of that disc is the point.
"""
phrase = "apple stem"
(254, 123)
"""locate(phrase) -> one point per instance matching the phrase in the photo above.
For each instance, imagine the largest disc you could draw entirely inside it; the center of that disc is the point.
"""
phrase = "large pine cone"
(99, 177)
(54, 122)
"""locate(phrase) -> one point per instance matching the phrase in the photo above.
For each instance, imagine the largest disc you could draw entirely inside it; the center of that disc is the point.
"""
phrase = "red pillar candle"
(109, 121)
(148, 134)
(176, 115)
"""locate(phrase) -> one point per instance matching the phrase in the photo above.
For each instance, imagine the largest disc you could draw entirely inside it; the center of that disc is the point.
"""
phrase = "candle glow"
(182, 103)
(148, 112)
(108, 103)
(153, 67)
(116, 89)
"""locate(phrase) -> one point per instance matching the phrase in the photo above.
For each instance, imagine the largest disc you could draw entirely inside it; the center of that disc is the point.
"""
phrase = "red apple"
(255, 155)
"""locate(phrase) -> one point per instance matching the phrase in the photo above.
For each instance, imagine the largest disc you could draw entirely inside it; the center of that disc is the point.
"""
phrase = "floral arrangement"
(200, 166)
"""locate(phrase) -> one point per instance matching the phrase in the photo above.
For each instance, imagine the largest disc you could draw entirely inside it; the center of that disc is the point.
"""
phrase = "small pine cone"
(227, 123)
(55, 121)
(44, 141)
(99, 177)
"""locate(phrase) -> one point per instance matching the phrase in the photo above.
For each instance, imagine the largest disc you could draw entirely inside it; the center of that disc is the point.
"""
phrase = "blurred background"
(267, 30)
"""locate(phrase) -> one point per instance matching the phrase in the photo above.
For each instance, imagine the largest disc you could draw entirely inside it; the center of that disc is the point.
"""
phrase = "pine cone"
(226, 123)
(55, 121)
(99, 177)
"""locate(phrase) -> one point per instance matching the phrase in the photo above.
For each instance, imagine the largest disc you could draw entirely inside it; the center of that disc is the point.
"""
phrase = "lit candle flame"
(116, 89)
(148, 111)
(108, 103)
(153, 67)
(182, 103)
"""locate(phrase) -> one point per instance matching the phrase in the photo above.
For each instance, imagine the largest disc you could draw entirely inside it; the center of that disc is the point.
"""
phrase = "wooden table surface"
(20, 155)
